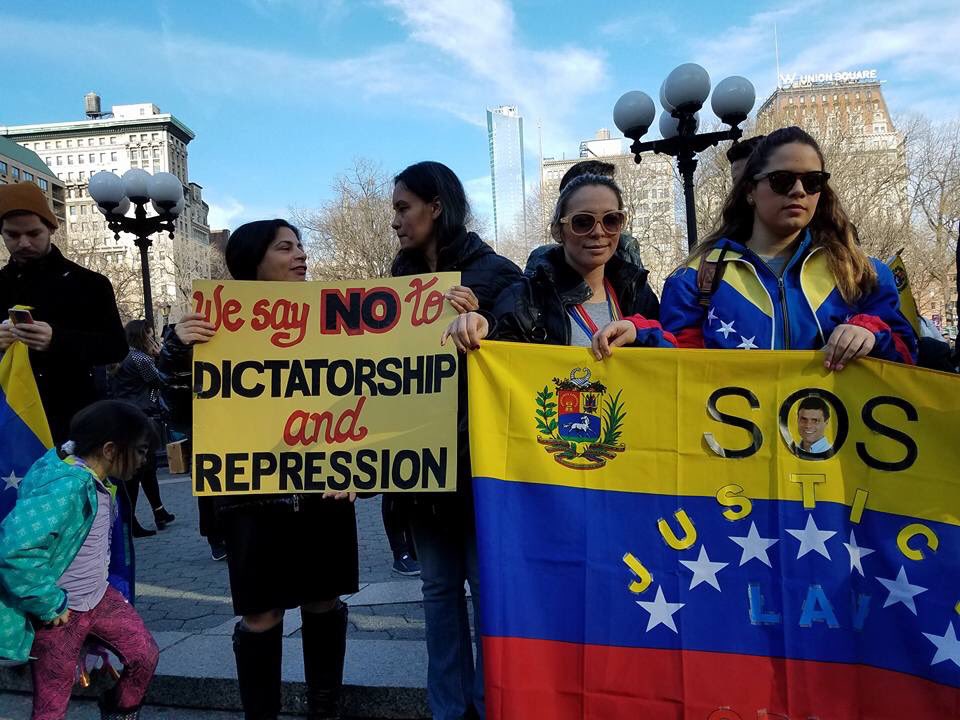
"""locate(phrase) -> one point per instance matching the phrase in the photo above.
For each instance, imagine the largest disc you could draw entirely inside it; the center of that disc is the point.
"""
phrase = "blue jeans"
(447, 550)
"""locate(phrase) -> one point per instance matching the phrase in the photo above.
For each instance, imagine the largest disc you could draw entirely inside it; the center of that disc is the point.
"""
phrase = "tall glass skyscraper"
(505, 132)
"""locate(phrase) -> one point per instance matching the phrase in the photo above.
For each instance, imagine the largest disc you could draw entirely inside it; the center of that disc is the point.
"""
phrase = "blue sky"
(284, 94)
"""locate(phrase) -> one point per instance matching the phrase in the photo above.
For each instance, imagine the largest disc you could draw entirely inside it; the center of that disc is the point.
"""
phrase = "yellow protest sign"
(308, 387)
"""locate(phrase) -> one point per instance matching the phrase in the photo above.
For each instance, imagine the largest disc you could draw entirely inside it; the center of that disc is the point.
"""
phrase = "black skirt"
(283, 554)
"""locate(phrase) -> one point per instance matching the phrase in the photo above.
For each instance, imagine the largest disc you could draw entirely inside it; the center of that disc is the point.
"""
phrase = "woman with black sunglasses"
(784, 270)
(576, 287)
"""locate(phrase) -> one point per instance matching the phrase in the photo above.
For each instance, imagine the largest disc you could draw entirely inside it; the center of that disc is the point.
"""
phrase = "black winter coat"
(80, 306)
(534, 309)
(487, 274)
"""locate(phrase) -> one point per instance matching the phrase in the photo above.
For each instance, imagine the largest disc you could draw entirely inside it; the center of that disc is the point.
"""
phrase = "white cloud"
(222, 215)
(914, 42)
(486, 62)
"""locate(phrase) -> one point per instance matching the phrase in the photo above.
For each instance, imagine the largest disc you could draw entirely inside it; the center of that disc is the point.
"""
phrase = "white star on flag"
(901, 591)
(711, 316)
(948, 647)
(747, 343)
(857, 553)
(754, 546)
(661, 611)
(704, 571)
(12, 481)
(726, 328)
(812, 538)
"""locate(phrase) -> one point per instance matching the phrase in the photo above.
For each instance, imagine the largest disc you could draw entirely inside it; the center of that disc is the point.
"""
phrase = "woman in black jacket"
(431, 213)
(577, 287)
(137, 381)
(266, 577)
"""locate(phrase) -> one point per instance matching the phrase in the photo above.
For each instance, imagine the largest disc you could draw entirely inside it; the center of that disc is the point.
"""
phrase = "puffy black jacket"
(80, 306)
(534, 309)
(487, 274)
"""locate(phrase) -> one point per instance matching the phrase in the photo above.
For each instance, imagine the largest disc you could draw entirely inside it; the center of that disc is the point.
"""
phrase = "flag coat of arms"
(24, 433)
(691, 551)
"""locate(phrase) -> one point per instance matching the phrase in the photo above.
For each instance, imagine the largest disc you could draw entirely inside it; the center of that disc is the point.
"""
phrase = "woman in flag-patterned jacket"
(784, 271)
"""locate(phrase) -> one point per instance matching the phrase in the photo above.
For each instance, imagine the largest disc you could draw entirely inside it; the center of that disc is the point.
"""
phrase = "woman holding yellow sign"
(266, 578)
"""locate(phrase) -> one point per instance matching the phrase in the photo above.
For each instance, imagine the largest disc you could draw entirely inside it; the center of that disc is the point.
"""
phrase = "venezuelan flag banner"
(706, 535)
(24, 433)
(908, 304)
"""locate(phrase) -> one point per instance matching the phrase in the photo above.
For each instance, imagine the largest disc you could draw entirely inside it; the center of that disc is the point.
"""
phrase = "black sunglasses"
(583, 223)
(783, 181)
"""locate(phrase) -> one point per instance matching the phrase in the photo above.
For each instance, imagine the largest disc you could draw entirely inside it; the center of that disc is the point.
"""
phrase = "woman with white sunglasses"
(578, 286)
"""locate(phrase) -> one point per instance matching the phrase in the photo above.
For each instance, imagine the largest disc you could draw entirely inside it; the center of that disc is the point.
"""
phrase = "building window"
(46, 146)
(153, 136)
(27, 175)
(58, 144)
(103, 141)
(44, 185)
(69, 177)
(113, 156)
(133, 162)
(69, 159)
(80, 159)
(82, 174)
(83, 209)
(93, 157)
(143, 137)
(156, 153)
(3, 168)
(113, 139)
(48, 161)
(103, 157)
(69, 143)
(16, 173)
(133, 138)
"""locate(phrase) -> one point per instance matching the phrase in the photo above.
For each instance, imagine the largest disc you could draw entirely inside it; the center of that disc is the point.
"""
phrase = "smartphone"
(20, 314)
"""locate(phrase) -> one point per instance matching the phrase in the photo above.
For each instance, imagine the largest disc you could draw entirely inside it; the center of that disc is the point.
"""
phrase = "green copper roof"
(23, 156)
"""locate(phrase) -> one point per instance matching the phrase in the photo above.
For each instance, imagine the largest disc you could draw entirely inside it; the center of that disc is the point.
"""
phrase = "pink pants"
(116, 625)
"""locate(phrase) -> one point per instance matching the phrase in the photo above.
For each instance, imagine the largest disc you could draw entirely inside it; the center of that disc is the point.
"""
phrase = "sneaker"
(406, 565)
(218, 551)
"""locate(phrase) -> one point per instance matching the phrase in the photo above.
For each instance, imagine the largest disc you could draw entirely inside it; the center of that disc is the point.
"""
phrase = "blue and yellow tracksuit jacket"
(752, 308)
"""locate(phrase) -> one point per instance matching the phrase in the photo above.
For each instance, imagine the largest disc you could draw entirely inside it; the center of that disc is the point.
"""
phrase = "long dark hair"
(137, 337)
(430, 181)
(248, 244)
(113, 421)
(830, 227)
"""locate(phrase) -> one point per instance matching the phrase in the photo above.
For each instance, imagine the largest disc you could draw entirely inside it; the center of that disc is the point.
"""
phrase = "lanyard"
(583, 319)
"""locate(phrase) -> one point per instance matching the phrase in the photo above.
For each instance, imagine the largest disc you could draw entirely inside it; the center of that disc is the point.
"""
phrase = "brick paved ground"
(179, 586)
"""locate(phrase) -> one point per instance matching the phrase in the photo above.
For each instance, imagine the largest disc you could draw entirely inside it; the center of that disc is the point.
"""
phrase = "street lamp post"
(682, 95)
(115, 196)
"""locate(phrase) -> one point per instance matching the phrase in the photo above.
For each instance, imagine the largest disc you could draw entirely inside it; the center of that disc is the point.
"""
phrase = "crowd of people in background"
(782, 227)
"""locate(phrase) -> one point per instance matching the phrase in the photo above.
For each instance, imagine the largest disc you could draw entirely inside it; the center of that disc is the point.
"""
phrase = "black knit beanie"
(248, 244)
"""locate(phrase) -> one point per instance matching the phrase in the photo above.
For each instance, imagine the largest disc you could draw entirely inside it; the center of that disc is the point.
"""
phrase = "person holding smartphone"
(73, 324)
